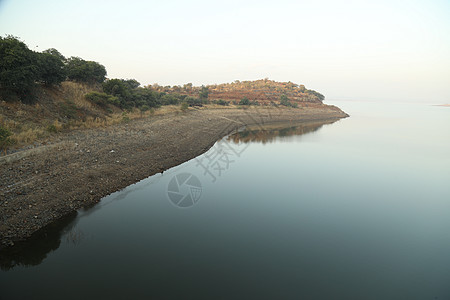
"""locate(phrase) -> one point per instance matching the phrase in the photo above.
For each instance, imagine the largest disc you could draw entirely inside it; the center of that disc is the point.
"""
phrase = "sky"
(384, 50)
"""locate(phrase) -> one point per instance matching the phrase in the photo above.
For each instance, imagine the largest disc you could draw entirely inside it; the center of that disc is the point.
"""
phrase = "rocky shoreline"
(41, 185)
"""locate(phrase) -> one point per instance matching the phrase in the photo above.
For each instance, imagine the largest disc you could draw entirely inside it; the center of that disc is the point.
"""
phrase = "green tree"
(116, 87)
(284, 100)
(131, 83)
(51, 69)
(204, 92)
(18, 66)
(120, 89)
(56, 53)
(316, 94)
(81, 70)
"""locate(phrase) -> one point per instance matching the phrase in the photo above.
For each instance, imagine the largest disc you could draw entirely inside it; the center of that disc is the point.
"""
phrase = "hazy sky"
(375, 50)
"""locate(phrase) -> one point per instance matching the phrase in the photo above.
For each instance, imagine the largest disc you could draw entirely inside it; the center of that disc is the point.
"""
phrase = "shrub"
(144, 108)
(244, 101)
(125, 118)
(191, 101)
(284, 100)
(52, 128)
(4, 138)
(169, 99)
(184, 106)
(222, 102)
(55, 127)
(69, 109)
(101, 99)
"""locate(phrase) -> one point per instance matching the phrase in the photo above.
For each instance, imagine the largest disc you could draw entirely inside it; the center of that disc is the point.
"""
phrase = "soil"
(76, 170)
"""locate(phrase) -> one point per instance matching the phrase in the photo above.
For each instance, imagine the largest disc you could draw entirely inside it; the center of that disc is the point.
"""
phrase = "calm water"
(357, 209)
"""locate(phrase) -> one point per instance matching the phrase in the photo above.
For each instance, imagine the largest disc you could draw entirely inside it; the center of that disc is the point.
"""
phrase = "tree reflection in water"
(269, 133)
(34, 250)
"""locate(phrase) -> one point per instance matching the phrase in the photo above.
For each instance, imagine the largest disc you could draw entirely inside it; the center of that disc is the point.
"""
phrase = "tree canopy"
(21, 69)
(81, 70)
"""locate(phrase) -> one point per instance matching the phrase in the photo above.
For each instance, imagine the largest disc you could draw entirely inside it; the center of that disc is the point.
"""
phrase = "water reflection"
(33, 251)
(270, 133)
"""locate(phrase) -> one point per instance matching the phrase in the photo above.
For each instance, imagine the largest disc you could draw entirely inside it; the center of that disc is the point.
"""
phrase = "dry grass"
(75, 92)
(28, 135)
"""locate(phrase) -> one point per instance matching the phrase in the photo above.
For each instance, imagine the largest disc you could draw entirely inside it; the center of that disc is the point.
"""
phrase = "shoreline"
(42, 185)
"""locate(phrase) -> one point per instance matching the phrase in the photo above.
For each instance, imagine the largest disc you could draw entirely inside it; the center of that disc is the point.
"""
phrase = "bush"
(69, 109)
(101, 99)
(184, 106)
(244, 101)
(52, 128)
(284, 100)
(191, 101)
(144, 108)
(222, 102)
(4, 138)
(125, 118)
(169, 99)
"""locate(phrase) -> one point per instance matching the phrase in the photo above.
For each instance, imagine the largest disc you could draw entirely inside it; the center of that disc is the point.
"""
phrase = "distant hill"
(264, 91)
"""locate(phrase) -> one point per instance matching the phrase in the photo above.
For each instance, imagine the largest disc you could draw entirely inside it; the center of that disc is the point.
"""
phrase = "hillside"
(56, 109)
(263, 91)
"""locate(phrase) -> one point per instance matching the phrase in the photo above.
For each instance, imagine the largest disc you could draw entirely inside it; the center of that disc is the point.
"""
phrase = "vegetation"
(244, 101)
(22, 70)
(4, 138)
(221, 102)
(184, 106)
(284, 100)
(101, 99)
(85, 71)
(204, 92)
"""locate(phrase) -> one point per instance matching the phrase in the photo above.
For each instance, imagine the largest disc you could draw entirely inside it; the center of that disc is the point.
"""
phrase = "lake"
(355, 209)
